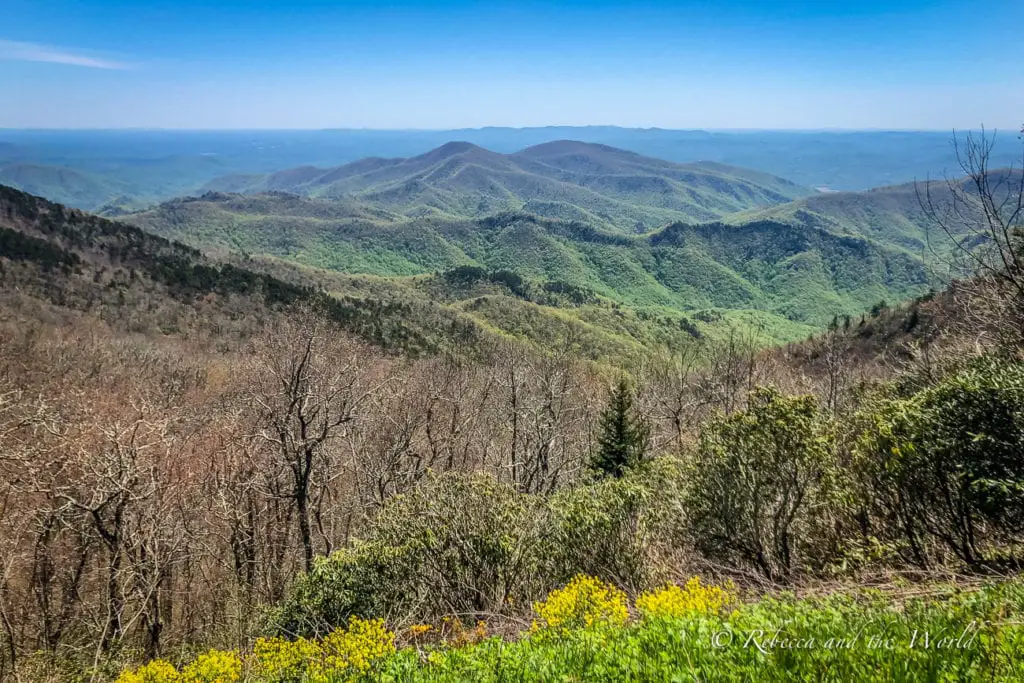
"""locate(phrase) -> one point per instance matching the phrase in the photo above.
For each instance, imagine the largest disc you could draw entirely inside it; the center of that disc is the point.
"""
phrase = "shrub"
(760, 484)
(942, 468)
(619, 530)
(462, 544)
(366, 578)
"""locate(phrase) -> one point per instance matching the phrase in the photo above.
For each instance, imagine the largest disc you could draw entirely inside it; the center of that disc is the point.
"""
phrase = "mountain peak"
(451, 149)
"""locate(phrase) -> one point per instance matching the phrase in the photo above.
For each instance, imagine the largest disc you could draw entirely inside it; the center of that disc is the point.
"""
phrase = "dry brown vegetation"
(157, 491)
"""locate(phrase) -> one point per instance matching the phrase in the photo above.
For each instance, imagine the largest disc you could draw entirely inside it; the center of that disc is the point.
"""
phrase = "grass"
(696, 632)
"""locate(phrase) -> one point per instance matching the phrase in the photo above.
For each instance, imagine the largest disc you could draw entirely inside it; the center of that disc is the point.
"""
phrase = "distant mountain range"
(566, 212)
(131, 169)
(561, 240)
(591, 183)
(59, 184)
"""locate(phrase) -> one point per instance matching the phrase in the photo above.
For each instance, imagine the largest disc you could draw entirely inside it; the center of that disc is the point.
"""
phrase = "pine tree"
(624, 437)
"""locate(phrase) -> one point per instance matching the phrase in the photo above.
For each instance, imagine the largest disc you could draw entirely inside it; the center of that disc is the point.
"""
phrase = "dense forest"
(239, 469)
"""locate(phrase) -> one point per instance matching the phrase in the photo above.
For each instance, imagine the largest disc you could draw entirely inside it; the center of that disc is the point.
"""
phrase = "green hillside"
(147, 282)
(68, 186)
(569, 180)
(654, 239)
(799, 273)
(891, 215)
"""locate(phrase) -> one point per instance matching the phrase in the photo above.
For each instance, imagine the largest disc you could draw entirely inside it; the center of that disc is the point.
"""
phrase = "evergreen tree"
(624, 436)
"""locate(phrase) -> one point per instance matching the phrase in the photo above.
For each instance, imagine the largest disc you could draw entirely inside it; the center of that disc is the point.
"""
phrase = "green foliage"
(624, 437)
(468, 545)
(942, 470)
(802, 273)
(462, 544)
(862, 637)
(614, 529)
(760, 483)
(582, 634)
(20, 247)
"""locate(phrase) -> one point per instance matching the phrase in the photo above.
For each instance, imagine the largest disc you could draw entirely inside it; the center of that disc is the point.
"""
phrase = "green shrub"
(760, 484)
(461, 544)
(615, 529)
(465, 545)
(942, 470)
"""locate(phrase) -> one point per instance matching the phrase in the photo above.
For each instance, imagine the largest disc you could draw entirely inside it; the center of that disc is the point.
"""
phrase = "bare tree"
(668, 395)
(307, 384)
(546, 417)
(980, 218)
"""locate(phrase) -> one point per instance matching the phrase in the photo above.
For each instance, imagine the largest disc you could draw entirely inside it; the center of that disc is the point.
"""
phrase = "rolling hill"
(592, 183)
(56, 262)
(802, 274)
(72, 187)
(891, 215)
(78, 262)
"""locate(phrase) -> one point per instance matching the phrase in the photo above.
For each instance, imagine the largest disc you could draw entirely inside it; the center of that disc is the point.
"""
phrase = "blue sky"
(319, 64)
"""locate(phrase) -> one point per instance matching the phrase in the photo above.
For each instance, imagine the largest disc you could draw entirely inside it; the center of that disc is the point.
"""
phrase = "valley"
(752, 262)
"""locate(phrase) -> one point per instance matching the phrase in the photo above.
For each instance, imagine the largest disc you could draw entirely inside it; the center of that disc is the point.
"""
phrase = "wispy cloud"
(34, 52)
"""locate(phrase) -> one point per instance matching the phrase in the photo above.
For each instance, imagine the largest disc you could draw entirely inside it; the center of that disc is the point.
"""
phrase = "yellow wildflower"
(156, 671)
(280, 660)
(693, 598)
(585, 601)
(357, 648)
(216, 666)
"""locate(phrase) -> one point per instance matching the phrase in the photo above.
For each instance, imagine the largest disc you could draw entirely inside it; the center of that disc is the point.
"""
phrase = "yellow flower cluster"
(584, 601)
(347, 653)
(356, 649)
(342, 653)
(693, 598)
(156, 671)
(215, 666)
(282, 660)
